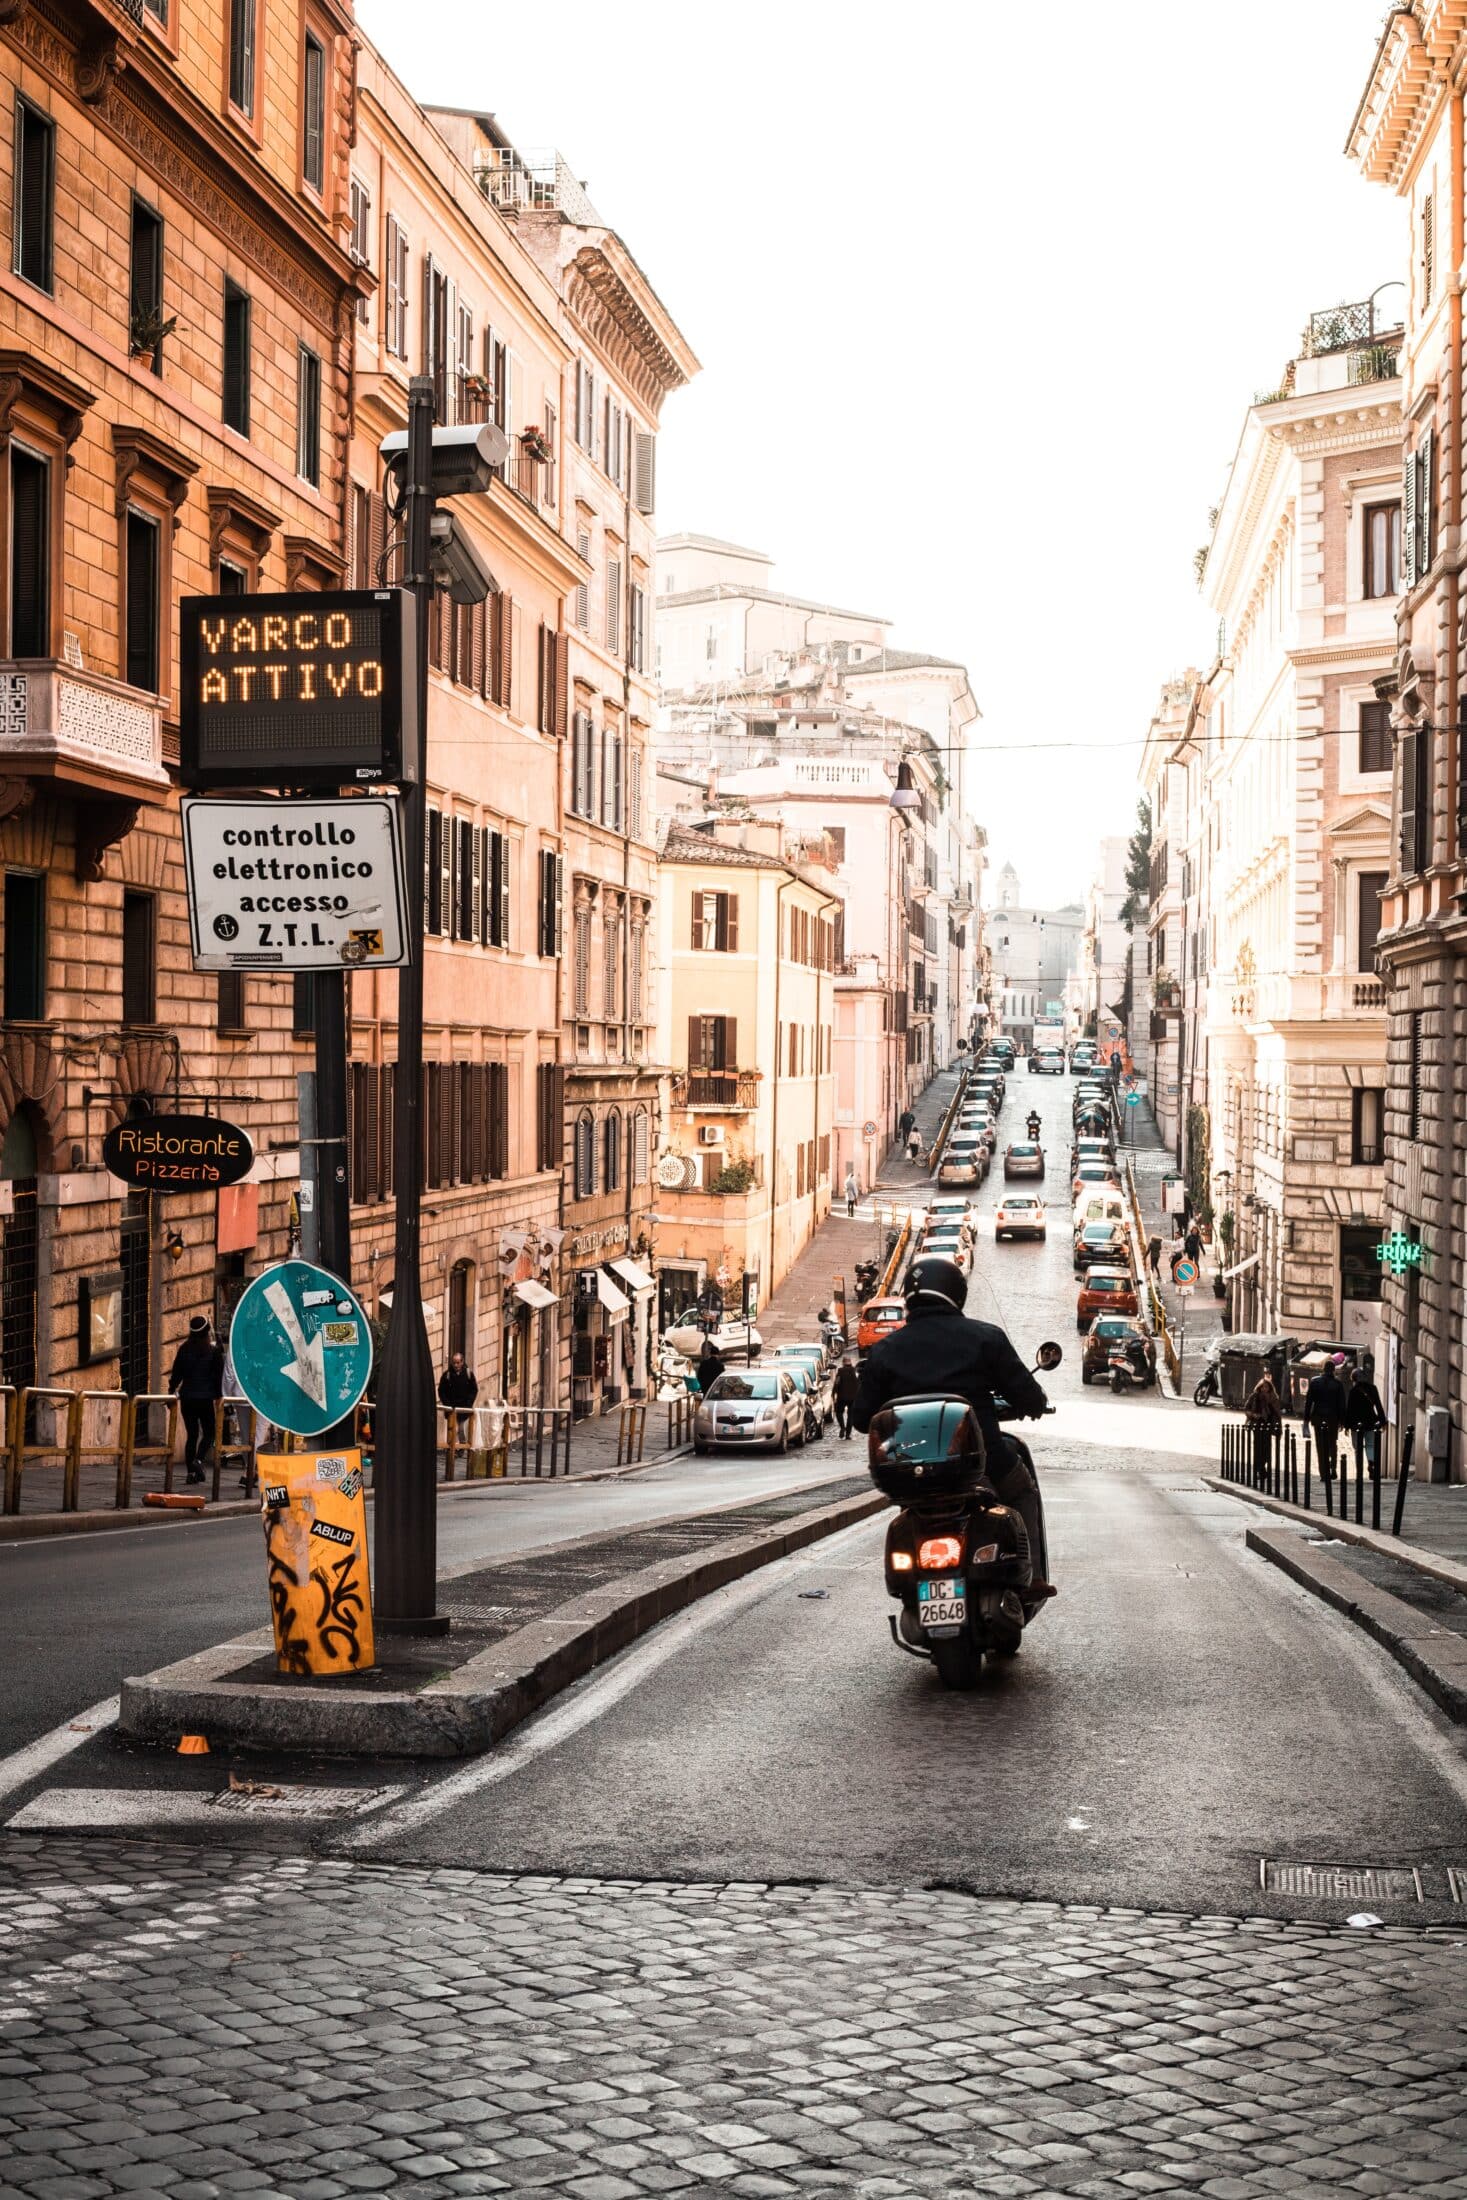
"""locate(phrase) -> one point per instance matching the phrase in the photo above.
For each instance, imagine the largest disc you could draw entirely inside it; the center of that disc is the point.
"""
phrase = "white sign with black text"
(310, 884)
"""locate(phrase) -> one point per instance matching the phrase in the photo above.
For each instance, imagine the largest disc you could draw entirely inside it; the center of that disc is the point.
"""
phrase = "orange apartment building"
(176, 301)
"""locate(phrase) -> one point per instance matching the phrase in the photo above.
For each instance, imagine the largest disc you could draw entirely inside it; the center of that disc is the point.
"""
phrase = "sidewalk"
(1195, 1320)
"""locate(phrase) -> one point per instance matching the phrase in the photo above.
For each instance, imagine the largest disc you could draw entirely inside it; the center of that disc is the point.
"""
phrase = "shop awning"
(616, 1302)
(630, 1273)
(530, 1293)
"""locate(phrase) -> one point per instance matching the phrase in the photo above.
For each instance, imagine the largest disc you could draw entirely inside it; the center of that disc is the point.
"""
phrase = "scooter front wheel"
(959, 1663)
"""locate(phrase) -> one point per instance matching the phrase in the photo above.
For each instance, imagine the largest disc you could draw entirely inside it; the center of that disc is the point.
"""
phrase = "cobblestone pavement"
(193, 2024)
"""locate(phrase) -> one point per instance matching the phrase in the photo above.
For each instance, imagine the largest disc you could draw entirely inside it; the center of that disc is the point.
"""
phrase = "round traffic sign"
(868, 1129)
(1133, 1099)
(301, 1347)
(1185, 1272)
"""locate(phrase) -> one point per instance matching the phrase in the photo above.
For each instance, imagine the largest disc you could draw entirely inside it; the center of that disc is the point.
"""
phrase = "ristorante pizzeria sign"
(297, 691)
(177, 1153)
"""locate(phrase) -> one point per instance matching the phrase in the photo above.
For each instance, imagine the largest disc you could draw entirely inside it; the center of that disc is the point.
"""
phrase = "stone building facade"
(175, 357)
(1407, 135)
(1301, 572)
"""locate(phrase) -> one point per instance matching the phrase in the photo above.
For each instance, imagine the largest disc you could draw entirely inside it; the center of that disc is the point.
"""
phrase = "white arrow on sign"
(308, 1369)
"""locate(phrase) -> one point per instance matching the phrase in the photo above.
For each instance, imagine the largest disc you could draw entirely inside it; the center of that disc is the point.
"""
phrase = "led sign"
(1399, 1253)
(294, 691)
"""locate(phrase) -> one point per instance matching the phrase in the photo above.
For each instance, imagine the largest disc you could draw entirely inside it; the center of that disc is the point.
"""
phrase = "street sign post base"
(434, 1623)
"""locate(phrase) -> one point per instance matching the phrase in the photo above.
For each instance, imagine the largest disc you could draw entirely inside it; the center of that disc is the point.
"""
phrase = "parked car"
(1091, 1173)
(758, 1409)
(1098, 1203)
(1082, 1056)
(1105, 1291)
(814, 1386)
(734, 1340)
(954, 1245)
(1101, 1241)
(879, 1318)
(964, 1161)
(1046, 1062)
(952, 1210)
(1105, 1331)
(1019, 1215)
(1023, 1160)
(822, 1368)
(1092, 1149)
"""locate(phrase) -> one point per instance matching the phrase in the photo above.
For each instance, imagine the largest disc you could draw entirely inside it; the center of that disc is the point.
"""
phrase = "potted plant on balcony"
(148, 328)
(1164, 989)
(535, 445)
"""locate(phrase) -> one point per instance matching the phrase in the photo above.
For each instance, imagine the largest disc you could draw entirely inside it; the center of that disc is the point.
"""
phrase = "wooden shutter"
(730, 938)
(390, 293)
(730, 1042)
(562, 686)
(1425, 503)
(644, 488)
(1408, 523)
(696, 938)
(433, 904)
(1409, 853)
(613, 603)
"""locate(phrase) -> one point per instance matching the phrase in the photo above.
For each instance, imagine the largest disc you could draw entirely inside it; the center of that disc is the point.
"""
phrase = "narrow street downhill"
(759, 1909)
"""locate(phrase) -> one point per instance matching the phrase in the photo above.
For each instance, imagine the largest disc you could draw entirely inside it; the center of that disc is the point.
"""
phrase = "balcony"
(533, 183)
(730, 1091)
(93, 734)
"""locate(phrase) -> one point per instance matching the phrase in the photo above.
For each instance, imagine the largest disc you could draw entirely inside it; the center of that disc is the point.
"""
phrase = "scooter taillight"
(940, 1551)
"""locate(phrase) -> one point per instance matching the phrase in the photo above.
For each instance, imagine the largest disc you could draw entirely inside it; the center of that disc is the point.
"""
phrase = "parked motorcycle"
(1209, 1383)
(957, 1557)
(1128, 1366)
(868, 1276)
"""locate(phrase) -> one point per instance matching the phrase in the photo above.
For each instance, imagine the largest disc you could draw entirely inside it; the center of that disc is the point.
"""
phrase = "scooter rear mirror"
(1048, 1356)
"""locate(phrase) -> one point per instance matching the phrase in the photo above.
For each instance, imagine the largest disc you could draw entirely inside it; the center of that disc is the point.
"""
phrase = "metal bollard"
(1306, 1470)
(1403, 1476)
(1359, 1489)
(1291, 1462)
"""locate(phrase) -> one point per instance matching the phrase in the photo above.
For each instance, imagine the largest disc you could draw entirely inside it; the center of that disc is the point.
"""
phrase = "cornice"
(1407, 83)
(602, 298)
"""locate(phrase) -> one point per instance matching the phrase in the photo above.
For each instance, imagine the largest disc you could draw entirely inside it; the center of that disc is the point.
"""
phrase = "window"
(611, 1152)
(500, 688)
(1367, 1127)
(30, 554)
(395, 299)
(433, 881)
(644, 484)
(585, 1156)
(1428, 248)
(552, 882)
(637, 636)
(586, 409)
(308, 418)
(440, 312)
(612, 440)
(583, 588)
(145, 287)
(1383, 549)
(313, 114)
(552, 429)
(242, 28)
(463, 362)
(641, 1146)
(303, 1005)
(236, 406)
(611, 778)
(636, 973)
(1415, 752)
(581, 960)
(229, 1005)
(361, 236)
(613, 604)
(1375, 737)
(25, 946)
(583, 765)
(1369, 886)
(34, 194)
(141, 609)
(1418, 518)
(1414, 1067)
(231, 579)
(139, 961)
(716, 922)
(713, 1042)
(549, 1115)
(494, 930)
(467, 878)
(611, 1007)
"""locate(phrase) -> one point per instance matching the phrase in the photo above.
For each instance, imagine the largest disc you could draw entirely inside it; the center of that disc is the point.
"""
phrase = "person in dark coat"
(1153, 1256)
(904, 1124)
(711, 1364)
(1365, 1415)
(1325, 1408)
(197, 1379)
(458, 1386)
(1264, 1411)
(1193, 1243)
(847, 1385)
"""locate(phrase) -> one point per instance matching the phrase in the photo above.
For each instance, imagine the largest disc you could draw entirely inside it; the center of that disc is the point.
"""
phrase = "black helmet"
(932, 1278)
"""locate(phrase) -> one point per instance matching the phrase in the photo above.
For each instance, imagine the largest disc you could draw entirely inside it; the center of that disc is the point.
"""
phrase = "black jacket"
(458, 1388)
(944, 1351)
(847, 1382)
(198, 1369)
(1325, 1402)
(1363, 1409)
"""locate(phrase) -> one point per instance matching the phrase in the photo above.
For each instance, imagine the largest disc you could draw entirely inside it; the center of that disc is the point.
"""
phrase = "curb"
(1449, 1571)
(1436, 1657)
(469, 1710)
(31, 1527)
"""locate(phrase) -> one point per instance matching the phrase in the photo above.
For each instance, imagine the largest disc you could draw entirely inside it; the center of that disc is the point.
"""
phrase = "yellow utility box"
(316, 1560)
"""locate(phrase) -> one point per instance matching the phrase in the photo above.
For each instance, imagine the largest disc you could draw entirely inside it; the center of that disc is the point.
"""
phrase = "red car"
(1106, 1291)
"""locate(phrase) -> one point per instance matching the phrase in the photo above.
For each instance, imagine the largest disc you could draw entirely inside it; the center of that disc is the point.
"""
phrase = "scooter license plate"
(942, 1606)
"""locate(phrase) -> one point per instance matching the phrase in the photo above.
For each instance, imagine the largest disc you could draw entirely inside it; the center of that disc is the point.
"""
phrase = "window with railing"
(1367, 1127)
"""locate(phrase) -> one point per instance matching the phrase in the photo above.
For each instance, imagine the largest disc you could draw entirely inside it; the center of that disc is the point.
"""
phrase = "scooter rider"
(1032, 1126)
(940, 1350)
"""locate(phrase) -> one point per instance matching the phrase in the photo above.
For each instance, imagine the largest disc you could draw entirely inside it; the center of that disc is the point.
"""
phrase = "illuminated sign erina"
(294, 691)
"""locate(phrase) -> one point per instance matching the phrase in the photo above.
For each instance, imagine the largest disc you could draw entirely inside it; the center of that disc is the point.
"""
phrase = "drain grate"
(303, 1802)
(1341, 1882)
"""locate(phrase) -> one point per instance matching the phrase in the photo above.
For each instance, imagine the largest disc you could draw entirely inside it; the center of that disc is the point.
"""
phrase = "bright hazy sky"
(981, 294)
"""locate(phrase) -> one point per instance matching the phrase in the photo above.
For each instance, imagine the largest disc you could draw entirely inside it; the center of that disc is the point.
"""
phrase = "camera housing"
(456, 564)
(464, 459)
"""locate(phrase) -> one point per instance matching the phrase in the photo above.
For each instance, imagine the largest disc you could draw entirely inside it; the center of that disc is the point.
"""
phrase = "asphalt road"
(83, 1612)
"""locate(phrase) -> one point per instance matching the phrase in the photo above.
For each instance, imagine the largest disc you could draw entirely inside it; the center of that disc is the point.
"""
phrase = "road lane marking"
(25, 1765)
(590, 1698)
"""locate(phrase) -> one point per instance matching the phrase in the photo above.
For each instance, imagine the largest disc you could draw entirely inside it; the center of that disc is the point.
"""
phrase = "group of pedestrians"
(1332, 1405)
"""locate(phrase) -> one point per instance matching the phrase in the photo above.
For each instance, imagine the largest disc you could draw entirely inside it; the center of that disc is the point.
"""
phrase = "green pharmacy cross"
(1399, 1252)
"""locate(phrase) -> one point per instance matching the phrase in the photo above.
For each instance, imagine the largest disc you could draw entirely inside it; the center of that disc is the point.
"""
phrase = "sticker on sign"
(294, 885)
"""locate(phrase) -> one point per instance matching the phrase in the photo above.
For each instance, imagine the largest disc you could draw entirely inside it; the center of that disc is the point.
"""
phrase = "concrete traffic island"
(456, 1695)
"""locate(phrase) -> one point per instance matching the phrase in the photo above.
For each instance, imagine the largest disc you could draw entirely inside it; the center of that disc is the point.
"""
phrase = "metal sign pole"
(406, 1447)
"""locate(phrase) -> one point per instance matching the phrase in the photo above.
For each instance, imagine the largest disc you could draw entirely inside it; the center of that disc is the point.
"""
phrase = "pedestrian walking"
(1192, 1244)
(711, 1364)
(1153, 1256)
(847, 1383)
(1325, 1409)
(914, 1144)
(1365, 1417)
(1264, 1413)
(853, 1192)
(458, 1387)
(904, 1124)
(197, 1379)
(1176, 1256)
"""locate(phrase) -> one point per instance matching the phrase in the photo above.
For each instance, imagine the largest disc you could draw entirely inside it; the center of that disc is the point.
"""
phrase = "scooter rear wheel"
(959, 1664)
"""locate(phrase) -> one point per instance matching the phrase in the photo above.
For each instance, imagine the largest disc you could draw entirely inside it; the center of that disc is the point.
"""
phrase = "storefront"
(612, 1328)
(1360, 1285)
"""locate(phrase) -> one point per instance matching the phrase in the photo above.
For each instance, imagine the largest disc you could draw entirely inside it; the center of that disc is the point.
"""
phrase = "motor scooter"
(957, 1557)
(1127, 1365)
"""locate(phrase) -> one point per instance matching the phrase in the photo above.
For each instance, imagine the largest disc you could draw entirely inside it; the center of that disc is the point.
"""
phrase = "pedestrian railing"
(680, 1419)
(631, 1433)
(1281, 1462)
(944, 1129)
(894, 1259)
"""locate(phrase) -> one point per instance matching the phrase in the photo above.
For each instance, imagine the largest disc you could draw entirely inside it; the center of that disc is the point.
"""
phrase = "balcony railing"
(718, 1088)
(533, 183)
(77, 726)
(1343, 327)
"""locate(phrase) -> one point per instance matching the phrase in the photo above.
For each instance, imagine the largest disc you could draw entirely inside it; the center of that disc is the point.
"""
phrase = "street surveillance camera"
(456, 564)
(464, 459)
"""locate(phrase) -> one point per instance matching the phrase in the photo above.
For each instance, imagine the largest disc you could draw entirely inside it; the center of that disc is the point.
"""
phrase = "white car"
(758, 1409)
(950, 1245)
(1019, 1215)
(733, 1339)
